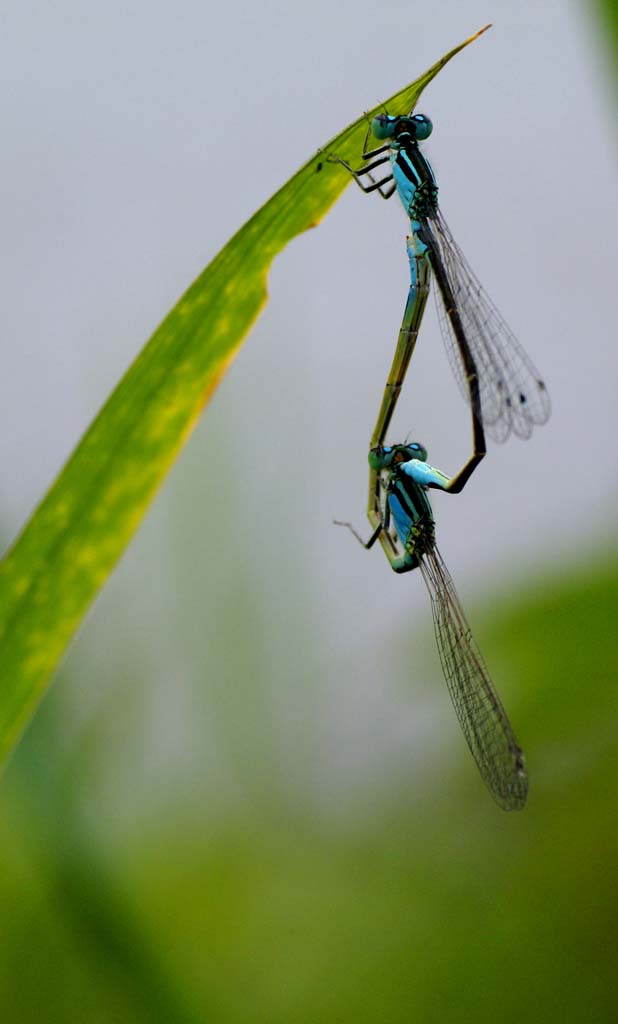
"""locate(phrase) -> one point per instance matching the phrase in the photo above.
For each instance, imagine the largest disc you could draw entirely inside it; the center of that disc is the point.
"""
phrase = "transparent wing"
(485, 725)
(513, 396)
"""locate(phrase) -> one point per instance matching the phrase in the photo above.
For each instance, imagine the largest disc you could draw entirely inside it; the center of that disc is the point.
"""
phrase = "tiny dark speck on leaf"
(319, 167)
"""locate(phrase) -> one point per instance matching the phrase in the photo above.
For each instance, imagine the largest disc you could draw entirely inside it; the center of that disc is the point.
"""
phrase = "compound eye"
(423, 127)
(418, 451)
(383, 126)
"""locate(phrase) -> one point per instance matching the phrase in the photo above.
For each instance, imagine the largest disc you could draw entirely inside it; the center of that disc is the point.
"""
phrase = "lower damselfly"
(406, 528)
(492, 369)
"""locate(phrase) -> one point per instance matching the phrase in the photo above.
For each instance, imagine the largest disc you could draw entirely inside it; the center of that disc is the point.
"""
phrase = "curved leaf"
(75, 537)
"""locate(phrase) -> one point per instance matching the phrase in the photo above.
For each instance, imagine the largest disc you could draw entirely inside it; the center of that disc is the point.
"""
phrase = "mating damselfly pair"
(506, 395)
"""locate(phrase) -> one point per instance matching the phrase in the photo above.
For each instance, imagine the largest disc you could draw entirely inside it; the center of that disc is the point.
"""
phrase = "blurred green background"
(246, 797)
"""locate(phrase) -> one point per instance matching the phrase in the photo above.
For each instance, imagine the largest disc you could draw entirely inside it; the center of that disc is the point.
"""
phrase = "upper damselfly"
(406, 528)
(492, 369)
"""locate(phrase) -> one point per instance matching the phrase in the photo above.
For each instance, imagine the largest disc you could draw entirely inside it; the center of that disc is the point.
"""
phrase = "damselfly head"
(418, 126)
(383, 457)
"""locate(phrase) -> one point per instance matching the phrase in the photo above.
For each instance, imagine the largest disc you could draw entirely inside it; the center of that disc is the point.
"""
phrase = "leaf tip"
(480, 32)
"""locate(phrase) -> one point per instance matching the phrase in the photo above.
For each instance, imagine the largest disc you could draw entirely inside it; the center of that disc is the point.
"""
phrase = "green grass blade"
(607, 15)
(77, 534)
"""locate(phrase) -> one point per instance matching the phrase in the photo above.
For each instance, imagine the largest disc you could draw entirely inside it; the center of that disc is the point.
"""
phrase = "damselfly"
(493, 371)
(407, 530)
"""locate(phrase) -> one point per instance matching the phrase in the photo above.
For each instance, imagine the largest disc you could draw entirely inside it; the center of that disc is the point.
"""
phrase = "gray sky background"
(138, 138)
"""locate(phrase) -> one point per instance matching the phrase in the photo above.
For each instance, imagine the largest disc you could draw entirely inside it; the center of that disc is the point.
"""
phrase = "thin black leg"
(375, 185)
(365, 543)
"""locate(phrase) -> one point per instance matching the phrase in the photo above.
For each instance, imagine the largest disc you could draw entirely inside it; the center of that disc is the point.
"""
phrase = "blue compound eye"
(418, 451)
(423, 127)
(383, 126)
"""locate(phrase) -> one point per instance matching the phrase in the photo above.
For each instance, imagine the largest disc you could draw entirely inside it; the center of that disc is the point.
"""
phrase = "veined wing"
(513, 397)
(484, 722)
